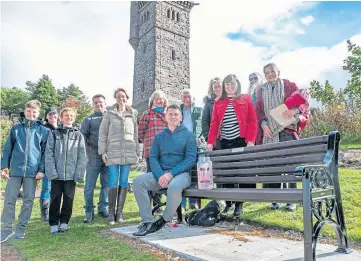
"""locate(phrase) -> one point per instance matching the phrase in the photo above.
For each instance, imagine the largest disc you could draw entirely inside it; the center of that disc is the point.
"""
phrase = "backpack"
(205, 217)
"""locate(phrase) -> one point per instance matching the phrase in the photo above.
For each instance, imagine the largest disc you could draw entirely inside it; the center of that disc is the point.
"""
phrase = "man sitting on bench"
(172, 156)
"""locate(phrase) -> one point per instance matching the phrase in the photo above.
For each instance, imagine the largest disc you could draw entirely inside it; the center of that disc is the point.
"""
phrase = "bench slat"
(255, 171)
(273, 146)
(307, 150)
(248, 195)
(258, 179)
(271, 162)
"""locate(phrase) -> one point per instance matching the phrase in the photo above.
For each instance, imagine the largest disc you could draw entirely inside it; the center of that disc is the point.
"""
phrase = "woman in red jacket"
(234, 122)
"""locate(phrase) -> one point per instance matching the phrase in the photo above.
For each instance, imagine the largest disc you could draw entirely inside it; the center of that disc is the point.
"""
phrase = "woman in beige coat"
(119, 147)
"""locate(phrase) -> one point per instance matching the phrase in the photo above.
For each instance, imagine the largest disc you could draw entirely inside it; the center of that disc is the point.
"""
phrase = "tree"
(13, 101)
(43, 91)
(352, 64)
(82, 108)
(71, 90)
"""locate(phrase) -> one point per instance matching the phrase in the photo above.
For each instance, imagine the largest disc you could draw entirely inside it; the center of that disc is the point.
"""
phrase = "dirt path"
(350, 158)
(9, 253)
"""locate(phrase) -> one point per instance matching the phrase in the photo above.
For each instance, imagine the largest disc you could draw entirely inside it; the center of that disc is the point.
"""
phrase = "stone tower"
(159, 35)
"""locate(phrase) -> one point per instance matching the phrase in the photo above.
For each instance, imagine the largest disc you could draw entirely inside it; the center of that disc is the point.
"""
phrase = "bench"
(312, 162)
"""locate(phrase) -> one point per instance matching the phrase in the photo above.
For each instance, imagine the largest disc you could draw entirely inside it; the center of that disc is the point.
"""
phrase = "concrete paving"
(197, 244)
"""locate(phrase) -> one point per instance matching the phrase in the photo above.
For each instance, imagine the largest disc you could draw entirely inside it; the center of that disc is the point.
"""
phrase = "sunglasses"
(253, 79)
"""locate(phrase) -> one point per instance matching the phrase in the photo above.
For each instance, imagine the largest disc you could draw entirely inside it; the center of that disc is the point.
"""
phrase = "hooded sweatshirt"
(173, 152)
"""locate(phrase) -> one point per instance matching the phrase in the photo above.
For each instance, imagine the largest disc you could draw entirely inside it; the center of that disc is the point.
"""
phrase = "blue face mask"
(158, 109)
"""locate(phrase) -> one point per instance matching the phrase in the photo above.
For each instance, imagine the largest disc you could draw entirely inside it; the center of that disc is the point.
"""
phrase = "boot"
(238, 209)
(226, 209)
(112, 199)
(44, 209)
(122, 195)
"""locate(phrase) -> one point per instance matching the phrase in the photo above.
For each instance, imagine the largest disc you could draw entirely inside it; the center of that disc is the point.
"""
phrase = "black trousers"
(61, 189)
(231, 144)
(284, 136)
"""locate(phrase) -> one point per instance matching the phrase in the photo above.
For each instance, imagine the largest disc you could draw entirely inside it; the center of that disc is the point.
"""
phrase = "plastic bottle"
(205, 173)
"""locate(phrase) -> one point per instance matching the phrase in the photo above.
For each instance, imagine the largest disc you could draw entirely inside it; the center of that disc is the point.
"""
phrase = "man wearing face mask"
(95, 165)
(192, 120)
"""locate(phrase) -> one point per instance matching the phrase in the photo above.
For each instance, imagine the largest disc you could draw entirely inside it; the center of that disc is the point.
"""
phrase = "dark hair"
(98, 96)
(174, 106)
(228, 79)
(120, 90)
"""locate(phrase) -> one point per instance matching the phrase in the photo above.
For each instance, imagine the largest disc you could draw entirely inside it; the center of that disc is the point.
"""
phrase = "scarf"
(273, 96)
(158, 109)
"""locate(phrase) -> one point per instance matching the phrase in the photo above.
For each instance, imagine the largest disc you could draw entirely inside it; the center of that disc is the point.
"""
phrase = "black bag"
(205, 217)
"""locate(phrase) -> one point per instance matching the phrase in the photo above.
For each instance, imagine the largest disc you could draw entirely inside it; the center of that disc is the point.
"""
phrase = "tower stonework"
(159, 35)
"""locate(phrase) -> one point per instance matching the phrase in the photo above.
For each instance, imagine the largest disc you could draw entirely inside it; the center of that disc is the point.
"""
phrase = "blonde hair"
(33, 104)
(158, 94)
(120, 90)
(213, 81)
(67, 109)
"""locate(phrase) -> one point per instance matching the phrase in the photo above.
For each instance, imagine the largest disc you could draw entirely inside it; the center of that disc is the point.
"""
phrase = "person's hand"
(266, 131)
(104, 158)
(165, 179)
(39, 175)
(209, 147)
(4, 174)
(289, 114)
(250, 144)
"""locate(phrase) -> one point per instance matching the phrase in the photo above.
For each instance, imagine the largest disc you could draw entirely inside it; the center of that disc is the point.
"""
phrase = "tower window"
(173, 55)
(142, 86)
(168, 13)
(177, 16)
(147, 16)
(144, 48)
(142, 20)
(173, 15)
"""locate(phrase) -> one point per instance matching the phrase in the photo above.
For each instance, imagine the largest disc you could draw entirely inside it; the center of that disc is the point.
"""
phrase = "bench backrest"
(266, 163)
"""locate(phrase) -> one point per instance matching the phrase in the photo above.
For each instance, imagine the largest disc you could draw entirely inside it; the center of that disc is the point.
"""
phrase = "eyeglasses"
(253, 79)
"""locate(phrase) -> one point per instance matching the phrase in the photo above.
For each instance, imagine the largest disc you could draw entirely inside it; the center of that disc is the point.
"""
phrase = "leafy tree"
(13, 100)
(71, 90)
(43, 91)
(82, 108)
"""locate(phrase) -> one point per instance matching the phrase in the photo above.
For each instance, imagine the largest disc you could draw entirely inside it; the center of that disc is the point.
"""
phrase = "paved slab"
(197, 244)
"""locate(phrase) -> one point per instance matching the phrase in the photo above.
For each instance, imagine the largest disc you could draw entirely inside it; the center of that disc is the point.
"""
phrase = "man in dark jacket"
(95, 165)
(51, 122)
(172, 156)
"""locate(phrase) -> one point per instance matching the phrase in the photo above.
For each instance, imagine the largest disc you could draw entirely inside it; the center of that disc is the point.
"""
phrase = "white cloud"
(307, 20)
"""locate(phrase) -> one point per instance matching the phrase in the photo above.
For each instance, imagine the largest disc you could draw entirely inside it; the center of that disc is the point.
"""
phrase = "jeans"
(45, 188)
(146, 182)
(11, 194)
(118, 176)
(94, 168)
(61, 189)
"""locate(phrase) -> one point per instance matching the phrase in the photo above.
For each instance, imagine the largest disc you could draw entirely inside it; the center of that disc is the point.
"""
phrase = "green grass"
(350, 146)
(84, 242)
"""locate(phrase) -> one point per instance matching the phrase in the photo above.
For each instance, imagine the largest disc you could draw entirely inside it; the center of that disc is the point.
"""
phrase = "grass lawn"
(350, 146)
(84, 242)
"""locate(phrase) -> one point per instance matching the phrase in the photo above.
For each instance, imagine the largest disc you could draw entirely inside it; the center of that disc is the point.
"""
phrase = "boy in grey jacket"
(65, 160)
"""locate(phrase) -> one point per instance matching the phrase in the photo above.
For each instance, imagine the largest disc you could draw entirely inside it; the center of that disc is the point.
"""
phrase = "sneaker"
(141, 228)
(274, 206)
(151, 228)
(291, 207)
(19, 235)
(104, 213)
(5, 236)
(88, 217)
(63, 227)
(54, 229)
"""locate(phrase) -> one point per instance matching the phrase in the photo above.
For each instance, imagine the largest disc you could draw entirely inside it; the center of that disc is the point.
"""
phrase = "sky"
(86, 43)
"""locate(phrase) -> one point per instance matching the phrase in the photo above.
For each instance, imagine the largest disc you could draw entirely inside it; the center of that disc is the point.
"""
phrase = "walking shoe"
(224, 213)
(5, 236)
(238, 210)
(88, 217)
(54, 229)
(141, 228)
(152, 228)
(291, 207)
(63, 227)
(19, 235)
(104, 213)
(274, 206)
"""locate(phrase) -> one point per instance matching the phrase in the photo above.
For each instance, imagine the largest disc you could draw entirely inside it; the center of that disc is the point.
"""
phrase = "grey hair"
(274, 66)
(158, 94)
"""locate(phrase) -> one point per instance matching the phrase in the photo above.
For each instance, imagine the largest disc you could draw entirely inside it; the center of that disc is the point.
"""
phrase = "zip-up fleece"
(173, 152)
(90, 130)
(65, 155)
(24, 149)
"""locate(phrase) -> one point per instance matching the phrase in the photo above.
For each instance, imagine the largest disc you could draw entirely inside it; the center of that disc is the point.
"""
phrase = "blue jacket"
(90, 130)
(24, 149)
(173, 152)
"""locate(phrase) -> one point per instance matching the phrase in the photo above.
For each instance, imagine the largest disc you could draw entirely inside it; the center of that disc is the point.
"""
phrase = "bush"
(5, 125)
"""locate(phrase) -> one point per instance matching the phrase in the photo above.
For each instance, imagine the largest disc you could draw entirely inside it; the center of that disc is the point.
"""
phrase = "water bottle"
(205, 173)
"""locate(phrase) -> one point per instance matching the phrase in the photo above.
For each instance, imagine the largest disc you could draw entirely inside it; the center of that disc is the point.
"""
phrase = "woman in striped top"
(234, 121)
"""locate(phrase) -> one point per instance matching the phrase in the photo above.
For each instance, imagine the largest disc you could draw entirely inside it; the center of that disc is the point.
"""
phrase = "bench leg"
(199, 203)
(179, 215)
(309, 251)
